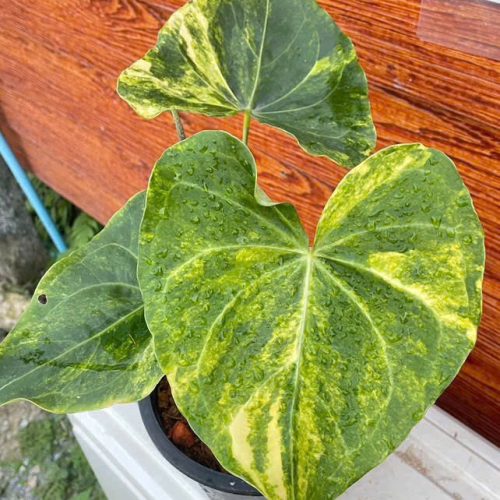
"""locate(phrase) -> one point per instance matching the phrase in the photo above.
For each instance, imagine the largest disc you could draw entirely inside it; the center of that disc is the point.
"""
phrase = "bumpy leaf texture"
(83, 343)
(285, 61)
(302, 368)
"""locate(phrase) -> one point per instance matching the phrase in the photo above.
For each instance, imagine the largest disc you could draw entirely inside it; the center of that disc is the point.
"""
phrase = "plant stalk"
(246, 126)
(178, 125)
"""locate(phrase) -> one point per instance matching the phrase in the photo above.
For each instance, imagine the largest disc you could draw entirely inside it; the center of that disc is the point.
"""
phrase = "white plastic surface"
(441, 460)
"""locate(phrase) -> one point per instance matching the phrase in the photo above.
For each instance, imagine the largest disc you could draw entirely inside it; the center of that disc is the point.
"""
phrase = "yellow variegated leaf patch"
(303, 368)
(284, 61)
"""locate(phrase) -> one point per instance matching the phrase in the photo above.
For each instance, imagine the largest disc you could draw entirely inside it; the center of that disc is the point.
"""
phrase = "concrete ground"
(39, 456)
(17, 478)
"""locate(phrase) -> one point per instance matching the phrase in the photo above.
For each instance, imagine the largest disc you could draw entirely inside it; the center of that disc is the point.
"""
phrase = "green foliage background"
(76, 226)
(48, 445)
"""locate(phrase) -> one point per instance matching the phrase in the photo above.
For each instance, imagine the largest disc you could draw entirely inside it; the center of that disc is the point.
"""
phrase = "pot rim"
(220, 481)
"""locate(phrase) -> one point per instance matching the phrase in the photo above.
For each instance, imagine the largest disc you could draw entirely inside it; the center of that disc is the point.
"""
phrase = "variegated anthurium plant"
(302, 367)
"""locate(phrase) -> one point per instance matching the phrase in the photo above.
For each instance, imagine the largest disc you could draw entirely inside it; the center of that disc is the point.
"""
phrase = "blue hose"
(26, 185)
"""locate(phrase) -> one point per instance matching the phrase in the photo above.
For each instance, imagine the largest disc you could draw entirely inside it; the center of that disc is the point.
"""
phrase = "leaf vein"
(385, 228)
(300, 344)
(351, 294)
(230, 304)
(208, 251)
(243, 207)
(261, 53)
(80, 344)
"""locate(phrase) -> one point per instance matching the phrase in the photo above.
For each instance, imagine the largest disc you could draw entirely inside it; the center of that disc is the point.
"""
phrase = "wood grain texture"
(59, 61)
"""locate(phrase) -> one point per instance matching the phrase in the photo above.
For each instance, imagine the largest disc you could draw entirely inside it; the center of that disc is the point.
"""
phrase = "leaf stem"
(246, 125)
(178, 125)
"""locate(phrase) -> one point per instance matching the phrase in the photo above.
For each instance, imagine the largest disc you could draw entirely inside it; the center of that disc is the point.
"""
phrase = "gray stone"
(12, 305)
(23, 257)
(13, 418)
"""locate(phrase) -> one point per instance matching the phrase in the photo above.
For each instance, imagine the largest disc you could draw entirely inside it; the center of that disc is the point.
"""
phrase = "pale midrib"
(331, 206)
(84, 289)
(396, 286)
(233, 301)
(217, 64)
(327, 136)
(296, 380)
(80, 256)
(348, 292)
(247, 40)
(112, 400)
(361, 307)
(287, 48)
(299, 84)
(112, 244)
(243, 207)
(85, 255)
(222, 96)
(387, 228)
(210, 250)
(80, 344)
(250, 103)
(288, 222)
(262, 113)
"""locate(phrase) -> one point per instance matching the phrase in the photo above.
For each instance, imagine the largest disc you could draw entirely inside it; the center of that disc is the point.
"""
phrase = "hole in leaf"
(42, 298)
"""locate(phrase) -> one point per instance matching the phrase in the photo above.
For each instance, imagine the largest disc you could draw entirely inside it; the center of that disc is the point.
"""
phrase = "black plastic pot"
(219, 481)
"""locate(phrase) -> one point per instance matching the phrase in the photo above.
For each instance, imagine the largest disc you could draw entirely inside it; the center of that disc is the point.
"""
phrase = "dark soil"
(180, 433)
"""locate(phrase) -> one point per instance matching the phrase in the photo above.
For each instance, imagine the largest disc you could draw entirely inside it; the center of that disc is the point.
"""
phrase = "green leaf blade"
(285, 61)
(302, 368)
(88, 346)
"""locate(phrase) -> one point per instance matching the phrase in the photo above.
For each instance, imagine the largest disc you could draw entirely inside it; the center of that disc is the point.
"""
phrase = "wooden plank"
(59, 60)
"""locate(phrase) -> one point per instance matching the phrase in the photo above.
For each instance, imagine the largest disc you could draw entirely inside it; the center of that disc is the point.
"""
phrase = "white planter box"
(441, 459)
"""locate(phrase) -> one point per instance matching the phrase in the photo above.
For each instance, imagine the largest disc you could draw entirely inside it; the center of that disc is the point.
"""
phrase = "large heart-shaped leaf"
(303, 368)
(83, 344)
(284, 61)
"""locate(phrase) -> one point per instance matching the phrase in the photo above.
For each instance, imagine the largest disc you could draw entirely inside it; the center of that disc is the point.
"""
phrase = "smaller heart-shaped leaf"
(284, 61)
